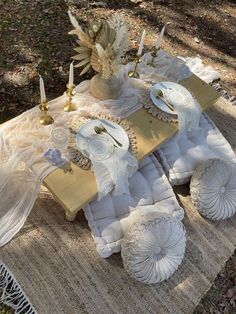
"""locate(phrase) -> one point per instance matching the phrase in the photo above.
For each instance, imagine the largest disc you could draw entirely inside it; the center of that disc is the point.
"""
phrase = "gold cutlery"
(102, 129)
(161, 97)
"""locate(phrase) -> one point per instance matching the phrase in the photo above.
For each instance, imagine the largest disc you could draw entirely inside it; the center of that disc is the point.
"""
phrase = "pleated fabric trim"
(11, 293)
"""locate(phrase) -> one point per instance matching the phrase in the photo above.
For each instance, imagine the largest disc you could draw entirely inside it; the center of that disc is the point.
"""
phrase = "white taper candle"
(71, 75)
(140, 49)
(42, 90)
(160, 38)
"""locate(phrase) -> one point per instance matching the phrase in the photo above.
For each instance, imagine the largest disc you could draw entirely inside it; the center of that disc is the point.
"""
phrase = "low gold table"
(74, 190)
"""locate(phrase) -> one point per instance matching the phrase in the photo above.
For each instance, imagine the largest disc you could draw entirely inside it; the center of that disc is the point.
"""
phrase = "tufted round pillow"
(153, 248)
(213, 189)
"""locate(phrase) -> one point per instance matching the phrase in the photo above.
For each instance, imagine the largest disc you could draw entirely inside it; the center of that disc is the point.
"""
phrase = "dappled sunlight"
(184, 22)
(57, 261)
(36, 41)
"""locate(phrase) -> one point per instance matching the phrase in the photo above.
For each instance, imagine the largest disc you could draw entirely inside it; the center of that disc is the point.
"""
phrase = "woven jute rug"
(58, 268)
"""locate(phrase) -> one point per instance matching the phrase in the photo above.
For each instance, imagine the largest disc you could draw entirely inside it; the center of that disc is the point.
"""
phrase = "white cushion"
(153, 247)
(213, 189)
(108, 216)
(181, 154)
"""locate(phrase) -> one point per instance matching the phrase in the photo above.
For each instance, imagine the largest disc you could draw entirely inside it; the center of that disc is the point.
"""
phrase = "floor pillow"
(181, 155)
(153, 246)
(213, 189)
(150, 214)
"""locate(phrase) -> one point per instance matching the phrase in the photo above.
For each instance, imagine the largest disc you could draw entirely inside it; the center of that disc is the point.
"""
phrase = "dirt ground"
(34, 40)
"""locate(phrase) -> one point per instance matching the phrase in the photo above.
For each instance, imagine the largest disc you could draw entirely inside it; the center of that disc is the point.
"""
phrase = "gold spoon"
(160, 96)
(102, 129)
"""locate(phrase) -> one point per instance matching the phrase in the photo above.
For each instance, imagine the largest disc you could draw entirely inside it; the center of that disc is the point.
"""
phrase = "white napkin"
(187, 108)
(114, 172)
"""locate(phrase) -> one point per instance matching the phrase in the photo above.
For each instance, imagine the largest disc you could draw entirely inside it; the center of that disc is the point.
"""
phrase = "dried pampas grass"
(101, 45)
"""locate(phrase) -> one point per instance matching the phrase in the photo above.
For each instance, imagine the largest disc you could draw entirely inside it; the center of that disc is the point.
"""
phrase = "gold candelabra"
(134, 73)
(69, 106)
(45, 118)
(154, 54)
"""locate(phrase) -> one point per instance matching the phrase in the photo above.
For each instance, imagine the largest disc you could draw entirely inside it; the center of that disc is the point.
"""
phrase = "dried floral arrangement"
(101, 45)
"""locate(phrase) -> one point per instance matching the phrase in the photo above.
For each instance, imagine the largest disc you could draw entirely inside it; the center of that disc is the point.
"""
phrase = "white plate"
(162, 86)
(86, 132)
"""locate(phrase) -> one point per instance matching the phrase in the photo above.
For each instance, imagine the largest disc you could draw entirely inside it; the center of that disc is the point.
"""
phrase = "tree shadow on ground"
(34, 40)
(220, 38)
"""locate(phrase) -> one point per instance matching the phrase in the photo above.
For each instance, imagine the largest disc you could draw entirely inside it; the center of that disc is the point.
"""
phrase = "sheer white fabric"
(206, 73)
(167, 68)
(115, 172)
(18, 189)
(187, 108)
(23, 141)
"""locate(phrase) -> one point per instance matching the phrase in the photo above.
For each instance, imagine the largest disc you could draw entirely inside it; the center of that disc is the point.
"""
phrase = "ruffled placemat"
(80, 159)
(155, 111)
(187, 116)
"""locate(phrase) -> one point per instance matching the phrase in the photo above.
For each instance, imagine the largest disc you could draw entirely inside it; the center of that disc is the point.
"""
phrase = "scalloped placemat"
(81, 160)
(157, 112)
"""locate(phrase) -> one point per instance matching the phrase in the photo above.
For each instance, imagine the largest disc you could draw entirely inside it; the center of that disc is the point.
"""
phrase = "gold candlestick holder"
(154, 54)
(45, 118)
(69, 106)
(134, 73)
